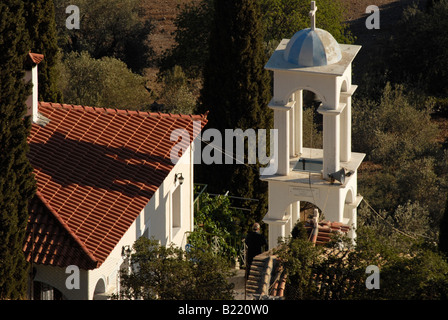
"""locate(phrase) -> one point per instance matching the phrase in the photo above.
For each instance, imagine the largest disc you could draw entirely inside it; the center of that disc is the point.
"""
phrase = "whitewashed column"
(298, 117)
(331, 143)
(281, 122)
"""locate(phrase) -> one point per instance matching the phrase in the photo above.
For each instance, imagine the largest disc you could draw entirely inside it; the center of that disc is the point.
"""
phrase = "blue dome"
(312, 48)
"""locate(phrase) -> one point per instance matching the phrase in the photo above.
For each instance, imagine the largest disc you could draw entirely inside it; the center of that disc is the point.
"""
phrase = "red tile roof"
(326, 230)
(96, 169)
(50, 242)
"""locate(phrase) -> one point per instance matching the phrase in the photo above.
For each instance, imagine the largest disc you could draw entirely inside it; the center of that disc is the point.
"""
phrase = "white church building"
(312, 60)
(105, 177)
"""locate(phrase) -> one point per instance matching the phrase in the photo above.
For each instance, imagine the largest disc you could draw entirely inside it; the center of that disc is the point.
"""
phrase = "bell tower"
(312, 60)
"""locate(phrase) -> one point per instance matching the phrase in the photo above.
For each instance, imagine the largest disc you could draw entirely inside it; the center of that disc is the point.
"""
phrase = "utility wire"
(394, 228)
(227, 154)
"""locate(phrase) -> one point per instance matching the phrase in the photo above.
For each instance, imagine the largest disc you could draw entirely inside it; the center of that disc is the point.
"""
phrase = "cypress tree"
(41, 26)
(443, 235)
(16, 180)
(236, 91)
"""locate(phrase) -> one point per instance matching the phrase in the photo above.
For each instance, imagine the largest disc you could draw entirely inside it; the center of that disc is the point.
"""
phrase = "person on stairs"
(255, 242)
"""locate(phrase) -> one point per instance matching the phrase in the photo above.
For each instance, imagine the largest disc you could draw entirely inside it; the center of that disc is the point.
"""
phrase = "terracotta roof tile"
(48, 241)
(96, 169)
(326, 230)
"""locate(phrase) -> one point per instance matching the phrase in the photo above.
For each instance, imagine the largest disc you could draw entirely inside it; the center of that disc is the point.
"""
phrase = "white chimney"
(33, 59)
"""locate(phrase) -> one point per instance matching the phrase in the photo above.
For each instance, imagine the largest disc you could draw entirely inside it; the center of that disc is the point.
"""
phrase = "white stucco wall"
(335, 202)
(32, 100)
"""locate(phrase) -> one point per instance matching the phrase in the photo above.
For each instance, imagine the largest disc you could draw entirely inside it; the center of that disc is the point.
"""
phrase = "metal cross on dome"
(313, 14)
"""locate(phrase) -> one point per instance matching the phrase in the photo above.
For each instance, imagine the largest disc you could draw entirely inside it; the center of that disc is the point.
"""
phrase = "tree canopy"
(279, 19)
(236, 91)
(112, 28)
(177, 92)
(405, 168)
(190, 52)
(283, 18)
(169, 273)
(413, 270)
(418, 46)
(105, 82)
(41, 26)
(16, 179)
(218, 226)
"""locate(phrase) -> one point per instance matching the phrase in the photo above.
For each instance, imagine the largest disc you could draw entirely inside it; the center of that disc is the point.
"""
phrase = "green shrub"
(105, 82)
(169, 273)
(176, 95)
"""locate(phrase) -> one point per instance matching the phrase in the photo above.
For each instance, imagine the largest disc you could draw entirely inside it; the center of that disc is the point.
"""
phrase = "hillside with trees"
(195, 56)
(399, 109)
(398, 121)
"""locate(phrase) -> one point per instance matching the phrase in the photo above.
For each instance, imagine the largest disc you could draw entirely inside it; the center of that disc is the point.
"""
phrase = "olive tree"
(169, 273)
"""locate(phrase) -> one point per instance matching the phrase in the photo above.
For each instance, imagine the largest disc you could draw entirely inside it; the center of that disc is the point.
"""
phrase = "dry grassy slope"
(356, 8)
(355, 16)
(162, 13)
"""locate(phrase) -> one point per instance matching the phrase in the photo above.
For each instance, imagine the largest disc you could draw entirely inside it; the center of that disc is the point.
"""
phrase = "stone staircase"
(266, 278)
(261, 274)
(256, 275)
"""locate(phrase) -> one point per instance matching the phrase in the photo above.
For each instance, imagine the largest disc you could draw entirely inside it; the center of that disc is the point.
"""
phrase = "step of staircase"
(256, 273)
